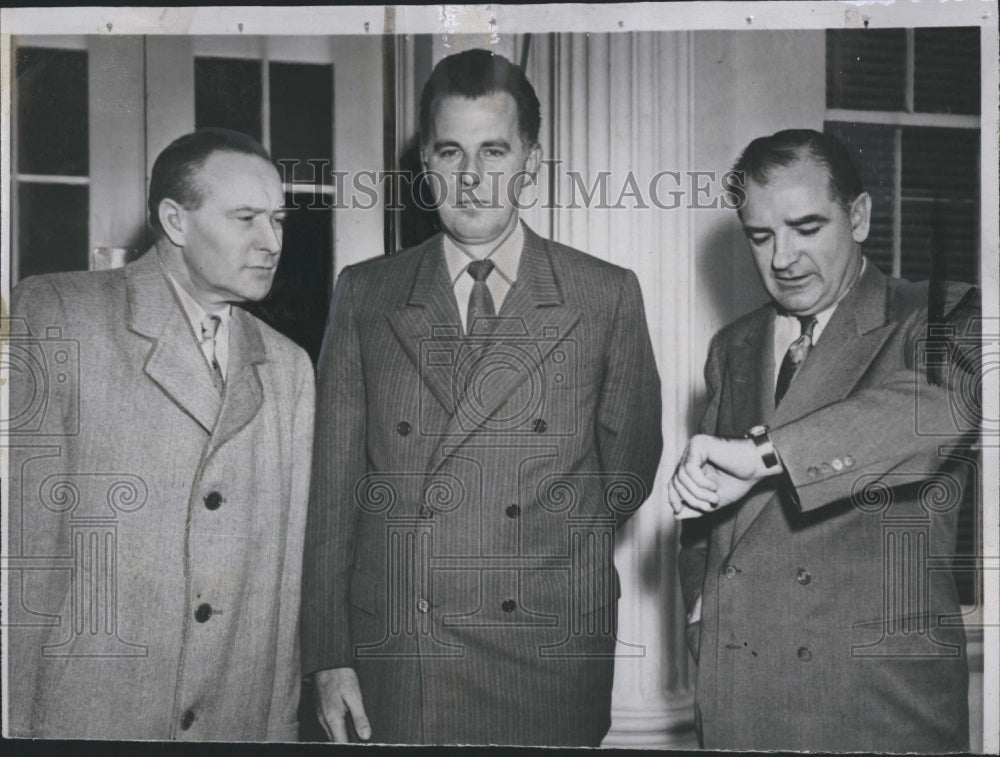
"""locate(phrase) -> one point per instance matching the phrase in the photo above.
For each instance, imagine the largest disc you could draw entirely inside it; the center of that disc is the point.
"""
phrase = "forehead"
(237, 179)
(493, 115)
(792, 191)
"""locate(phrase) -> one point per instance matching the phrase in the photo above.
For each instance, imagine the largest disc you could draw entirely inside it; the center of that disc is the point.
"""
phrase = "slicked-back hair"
(175, 168)
(785, 148)
(475, 73)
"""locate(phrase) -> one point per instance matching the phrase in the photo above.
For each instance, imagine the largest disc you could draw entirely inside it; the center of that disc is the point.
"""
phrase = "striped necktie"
(797, 353)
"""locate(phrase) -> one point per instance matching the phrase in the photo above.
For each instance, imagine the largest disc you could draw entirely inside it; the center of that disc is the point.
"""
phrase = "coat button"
(425, 512)
(825, 467)
(509, 605)
(403, 428)
(203, 613)
(731, 571)
(187, 719)
(803, 576)
(804, 654)
(423, 606)
(812, 471)
(848, 461)
(513, 511)
(213, 500)
(539, 426)
(837, 463)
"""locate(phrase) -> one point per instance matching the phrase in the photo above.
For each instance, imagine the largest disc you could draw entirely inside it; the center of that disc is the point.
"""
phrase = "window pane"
(52, 228)
(872, 146)
(51, 102)
(946, 71)
(302, 117)
(866, 69)
(940, 202)
(300, 298)
(227, 94)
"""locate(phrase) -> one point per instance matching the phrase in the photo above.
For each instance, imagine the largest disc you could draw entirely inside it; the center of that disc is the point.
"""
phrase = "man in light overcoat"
(158, 507)
(488, 411)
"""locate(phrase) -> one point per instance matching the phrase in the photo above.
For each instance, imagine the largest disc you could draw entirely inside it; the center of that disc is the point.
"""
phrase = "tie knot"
(808, 323)
(480, 269)
(210, 326)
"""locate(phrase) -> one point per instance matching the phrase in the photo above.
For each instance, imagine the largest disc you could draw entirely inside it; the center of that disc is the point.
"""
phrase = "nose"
(469, 173)
(269, 235)
(785, 250)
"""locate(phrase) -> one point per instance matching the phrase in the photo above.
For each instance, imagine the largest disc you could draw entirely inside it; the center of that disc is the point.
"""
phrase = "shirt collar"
(192, 308)
(505, 256)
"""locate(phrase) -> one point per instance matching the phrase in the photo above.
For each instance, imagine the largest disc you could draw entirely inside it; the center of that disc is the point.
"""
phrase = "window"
(51, 183)
(907, 102)
(288, 107)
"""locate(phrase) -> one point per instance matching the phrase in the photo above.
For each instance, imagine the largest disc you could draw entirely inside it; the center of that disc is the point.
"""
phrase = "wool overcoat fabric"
(461, 528)
(157, 524)
(830, 619)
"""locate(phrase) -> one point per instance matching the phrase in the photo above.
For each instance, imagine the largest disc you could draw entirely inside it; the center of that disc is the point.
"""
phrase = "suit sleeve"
(694, 532)
(282, 723)
(339, 462)
(629, 437)
(890, 432)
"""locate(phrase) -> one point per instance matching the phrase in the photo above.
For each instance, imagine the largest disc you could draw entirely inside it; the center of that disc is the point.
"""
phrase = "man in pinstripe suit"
(489, 411)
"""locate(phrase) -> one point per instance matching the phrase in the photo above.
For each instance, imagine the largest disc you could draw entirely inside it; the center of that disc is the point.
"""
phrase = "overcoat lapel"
(244, 393)
(846, 348)
(428, 324)
(174, 361)
(534, 314)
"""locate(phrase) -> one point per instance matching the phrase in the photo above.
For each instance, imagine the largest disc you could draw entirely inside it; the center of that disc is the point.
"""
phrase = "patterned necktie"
(209, 328)
(797, 353)
(480, 299)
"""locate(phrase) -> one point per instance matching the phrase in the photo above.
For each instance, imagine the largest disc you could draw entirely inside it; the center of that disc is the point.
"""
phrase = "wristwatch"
(764, 445)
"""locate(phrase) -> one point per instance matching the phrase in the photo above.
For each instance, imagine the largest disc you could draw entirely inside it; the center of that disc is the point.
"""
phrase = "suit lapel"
(533, 319)
(851, 340)
(174, 361)
(428, 324)
(244, 393)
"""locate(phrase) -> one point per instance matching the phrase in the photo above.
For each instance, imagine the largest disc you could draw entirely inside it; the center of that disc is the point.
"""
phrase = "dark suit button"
(812, 471)
(187, 719)
(513, 511)
(425, 512)
(203, 613)
(423, 606)
(803, 576)
(804, 654)
(213, 500)
(731, 571)
(509, 605)
(403, 428)
(539, 426)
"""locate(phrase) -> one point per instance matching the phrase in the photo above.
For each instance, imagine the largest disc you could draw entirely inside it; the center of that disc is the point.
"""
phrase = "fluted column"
(616, 113)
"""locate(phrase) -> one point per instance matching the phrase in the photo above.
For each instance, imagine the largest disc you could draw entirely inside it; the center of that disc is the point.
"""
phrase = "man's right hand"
(337, 693)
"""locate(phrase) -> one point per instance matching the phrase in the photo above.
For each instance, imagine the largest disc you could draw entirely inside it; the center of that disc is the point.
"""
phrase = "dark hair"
(175, 167)
(790, 146)
(475, 73)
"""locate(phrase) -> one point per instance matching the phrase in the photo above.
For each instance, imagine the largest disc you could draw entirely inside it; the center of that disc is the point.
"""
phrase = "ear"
(534, 159)
(172, 219)
(861, 217)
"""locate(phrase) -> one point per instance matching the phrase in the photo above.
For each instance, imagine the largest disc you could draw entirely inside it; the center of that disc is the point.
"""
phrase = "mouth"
(789, 280)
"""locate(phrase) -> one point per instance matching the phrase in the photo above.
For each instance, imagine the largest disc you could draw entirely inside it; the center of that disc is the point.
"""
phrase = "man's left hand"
(714, 472)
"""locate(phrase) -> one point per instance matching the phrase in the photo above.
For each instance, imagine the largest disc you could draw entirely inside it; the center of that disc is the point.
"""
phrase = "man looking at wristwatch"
(796, 591)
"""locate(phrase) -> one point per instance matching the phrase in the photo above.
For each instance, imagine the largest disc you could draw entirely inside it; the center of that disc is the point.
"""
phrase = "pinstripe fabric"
(459, 548)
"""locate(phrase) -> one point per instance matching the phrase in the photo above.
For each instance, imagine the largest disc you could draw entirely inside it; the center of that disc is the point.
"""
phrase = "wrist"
(767, 455)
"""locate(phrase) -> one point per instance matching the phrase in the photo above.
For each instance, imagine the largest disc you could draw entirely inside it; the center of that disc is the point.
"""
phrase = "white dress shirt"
(196, 314)
(505, 257)
(787, 327)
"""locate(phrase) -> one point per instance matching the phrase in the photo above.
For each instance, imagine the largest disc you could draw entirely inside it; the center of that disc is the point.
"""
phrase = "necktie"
(480, 299)
(209, 327)
(797, 353)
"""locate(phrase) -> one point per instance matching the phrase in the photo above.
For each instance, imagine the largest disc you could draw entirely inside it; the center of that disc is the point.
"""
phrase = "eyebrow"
(806, 220)
(503, 143)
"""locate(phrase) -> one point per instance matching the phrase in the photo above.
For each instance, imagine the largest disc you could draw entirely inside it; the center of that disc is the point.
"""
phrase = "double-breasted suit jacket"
(830, 619)
(461, 530)
(157, 523)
